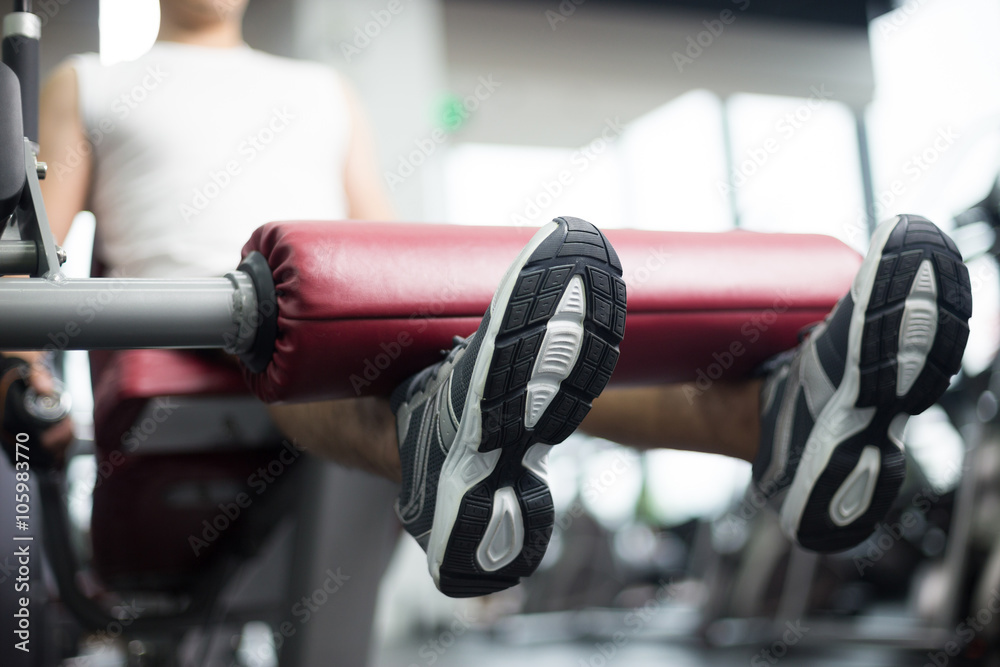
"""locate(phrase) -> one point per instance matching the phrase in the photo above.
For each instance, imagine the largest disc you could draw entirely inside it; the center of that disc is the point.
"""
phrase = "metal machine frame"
(236, 313)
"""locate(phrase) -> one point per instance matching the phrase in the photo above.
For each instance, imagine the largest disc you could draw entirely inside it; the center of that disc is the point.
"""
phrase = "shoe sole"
(912, 303)
(550, 347)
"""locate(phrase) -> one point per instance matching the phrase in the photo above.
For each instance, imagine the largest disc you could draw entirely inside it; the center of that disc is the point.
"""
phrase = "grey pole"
(18, 257)
(119, 313)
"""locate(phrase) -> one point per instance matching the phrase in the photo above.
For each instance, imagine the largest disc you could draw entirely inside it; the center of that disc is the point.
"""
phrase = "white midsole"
(839, 419)
(504, 536)
(558, 352)
(464, 450)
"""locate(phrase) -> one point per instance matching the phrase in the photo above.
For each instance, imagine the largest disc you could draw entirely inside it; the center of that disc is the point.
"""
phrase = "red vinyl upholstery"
(129, 378)
(140, 535)
(363, 305)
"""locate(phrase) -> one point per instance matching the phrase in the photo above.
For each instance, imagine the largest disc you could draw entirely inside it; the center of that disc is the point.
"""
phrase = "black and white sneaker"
(474, 430)
(832, 414)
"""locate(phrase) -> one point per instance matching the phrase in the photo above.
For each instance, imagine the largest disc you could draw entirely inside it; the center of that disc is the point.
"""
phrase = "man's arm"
(366, 195)
(62, 143)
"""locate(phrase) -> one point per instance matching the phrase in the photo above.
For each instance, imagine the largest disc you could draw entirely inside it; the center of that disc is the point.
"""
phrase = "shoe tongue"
(461, 376)
(409, 388)
(831, 341)
(419, 381)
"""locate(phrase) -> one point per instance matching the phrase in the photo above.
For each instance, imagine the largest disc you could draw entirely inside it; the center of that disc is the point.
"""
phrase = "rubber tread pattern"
(576, 248)
(912, 241)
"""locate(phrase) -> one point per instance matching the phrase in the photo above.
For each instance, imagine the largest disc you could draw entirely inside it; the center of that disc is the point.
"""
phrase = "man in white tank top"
(182, 153)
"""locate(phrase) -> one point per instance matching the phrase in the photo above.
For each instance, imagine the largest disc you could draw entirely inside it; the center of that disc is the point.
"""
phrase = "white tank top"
(195, 147)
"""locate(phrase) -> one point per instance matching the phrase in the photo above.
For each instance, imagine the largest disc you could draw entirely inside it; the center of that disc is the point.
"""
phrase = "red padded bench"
(361, 306)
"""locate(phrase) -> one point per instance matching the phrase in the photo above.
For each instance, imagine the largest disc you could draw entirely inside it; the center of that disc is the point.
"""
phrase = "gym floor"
(481, 651)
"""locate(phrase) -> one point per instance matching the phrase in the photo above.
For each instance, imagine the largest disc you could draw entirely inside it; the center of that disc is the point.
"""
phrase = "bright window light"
(933, 125)
(934, 128)
(128, 28)
(675, 167)
(691, 485)
(796, 167)
(490, 184)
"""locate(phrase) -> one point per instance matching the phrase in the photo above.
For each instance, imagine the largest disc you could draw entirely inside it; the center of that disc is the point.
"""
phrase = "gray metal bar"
(795, 593)
(18, 257)
(727, 144)
(126, 313)
(36, 228)
(865, 162)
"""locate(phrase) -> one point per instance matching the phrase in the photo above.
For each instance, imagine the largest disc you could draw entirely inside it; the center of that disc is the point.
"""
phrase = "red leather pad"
(140, 538)
(125, 381)
(361, 305)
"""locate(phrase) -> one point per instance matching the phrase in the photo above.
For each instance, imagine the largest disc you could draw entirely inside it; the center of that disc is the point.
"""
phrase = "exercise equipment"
(321, 310)
(360, 306)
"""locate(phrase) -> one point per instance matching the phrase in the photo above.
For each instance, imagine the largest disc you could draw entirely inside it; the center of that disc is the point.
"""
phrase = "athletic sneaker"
(474, 429)
(832, 414)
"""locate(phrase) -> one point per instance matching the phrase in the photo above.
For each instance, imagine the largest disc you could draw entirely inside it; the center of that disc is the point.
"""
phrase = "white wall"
(562, 78)
(396, 62)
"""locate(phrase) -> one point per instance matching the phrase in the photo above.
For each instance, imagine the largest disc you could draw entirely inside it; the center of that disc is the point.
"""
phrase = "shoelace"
(423, 378)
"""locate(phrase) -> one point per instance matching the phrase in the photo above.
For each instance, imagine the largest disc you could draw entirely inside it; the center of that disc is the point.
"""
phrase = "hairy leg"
(724, 420)
(355, 432)
(721, 420)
